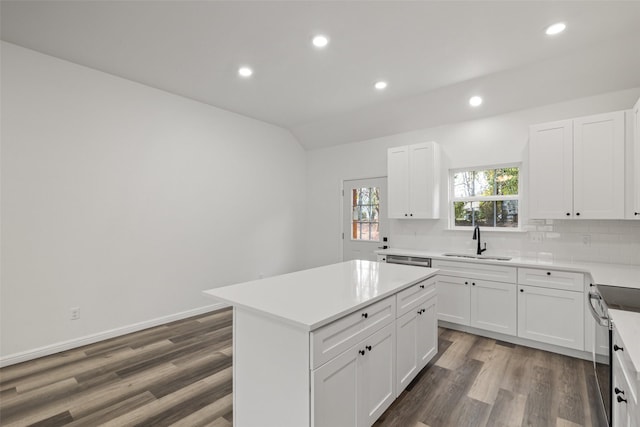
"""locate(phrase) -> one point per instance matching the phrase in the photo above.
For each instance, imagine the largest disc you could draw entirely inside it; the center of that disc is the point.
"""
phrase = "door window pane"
(365, 214)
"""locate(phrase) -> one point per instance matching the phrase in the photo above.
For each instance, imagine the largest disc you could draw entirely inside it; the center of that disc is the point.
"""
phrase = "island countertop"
(313, 298)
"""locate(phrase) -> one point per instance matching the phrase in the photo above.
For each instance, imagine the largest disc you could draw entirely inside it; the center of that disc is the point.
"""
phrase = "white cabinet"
(636, 161)
(552, 316)
(576, 168)
(465, 297)
(414, 181)
(624, 411)
(454, 304)
(417, 340)
(493, 306)
(356, 387)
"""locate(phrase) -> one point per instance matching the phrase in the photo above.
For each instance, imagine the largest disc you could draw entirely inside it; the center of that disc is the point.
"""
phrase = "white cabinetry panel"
(493, 306)
(636, 161)
(453, 299)
(576, 168)
(552, 316)
(414, 181)
(598, 171)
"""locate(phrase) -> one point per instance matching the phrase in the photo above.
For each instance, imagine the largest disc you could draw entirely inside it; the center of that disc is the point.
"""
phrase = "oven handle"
(602, 320)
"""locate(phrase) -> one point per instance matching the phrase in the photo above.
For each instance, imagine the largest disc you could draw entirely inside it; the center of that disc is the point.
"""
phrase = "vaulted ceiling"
(433, 54)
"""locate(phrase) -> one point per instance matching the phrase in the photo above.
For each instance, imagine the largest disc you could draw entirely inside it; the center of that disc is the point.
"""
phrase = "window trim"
(452, 199)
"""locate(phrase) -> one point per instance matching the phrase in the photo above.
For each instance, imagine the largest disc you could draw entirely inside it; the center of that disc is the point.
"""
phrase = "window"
(365, 218)
(485, 197)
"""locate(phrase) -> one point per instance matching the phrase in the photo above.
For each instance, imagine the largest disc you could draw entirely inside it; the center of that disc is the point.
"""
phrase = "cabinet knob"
(620, 399)
(473, 284)
(466, 283)
(548, 273)
(636, 213)
(568, 213)
(410, 214)
(616, 347)
(361, 352)
(618, 391)
(421, 286)
(368, 347)
(406, 215)
(365, 315)
(577, 213)
(521, 290)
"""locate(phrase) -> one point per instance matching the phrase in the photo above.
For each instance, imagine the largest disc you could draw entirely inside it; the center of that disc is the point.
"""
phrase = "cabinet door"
(376, 375)
(551, 170)
(407, 364)
(598, 171)
(551, 316)
(493, 306)
(424, 176)
(636, 162)
(335, 387)
(427, 341)
(398, 182)
(453, 299)
(620, 413)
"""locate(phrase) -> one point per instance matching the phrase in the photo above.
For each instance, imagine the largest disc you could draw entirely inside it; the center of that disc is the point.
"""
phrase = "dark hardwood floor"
(180, 374)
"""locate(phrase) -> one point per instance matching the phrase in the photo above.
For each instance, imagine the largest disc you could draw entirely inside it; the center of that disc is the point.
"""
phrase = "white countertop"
(602, 273)
(313, 298)
(627, 323)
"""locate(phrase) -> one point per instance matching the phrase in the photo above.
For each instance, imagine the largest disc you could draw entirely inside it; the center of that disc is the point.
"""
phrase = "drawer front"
(553, 279)
(336, 337)
(497, 273)
(409, 298)
(624, 362)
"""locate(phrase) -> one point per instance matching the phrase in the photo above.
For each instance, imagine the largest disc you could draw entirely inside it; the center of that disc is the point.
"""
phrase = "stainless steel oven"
(601, 351)
(603, 298)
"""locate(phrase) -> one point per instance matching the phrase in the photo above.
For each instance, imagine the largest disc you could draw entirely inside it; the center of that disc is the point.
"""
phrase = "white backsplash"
(571, 240)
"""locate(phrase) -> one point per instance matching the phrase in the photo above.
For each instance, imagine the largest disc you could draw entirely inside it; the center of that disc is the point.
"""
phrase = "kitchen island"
(329, 346)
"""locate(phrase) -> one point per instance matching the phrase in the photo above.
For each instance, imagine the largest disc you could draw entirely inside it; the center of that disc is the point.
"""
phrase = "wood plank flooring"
(179, 374)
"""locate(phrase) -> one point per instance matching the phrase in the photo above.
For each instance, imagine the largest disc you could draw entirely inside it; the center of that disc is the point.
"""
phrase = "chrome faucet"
(476, 236)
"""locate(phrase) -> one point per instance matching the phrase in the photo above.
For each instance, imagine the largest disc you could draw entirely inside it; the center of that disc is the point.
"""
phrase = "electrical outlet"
(586, 239)
(536, 236)
(74, 313)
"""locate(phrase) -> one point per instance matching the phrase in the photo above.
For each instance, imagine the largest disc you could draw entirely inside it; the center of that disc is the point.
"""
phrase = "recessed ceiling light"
(475, 101)
(320, 41)
(380, 85)
(556, 28)
(245, 71)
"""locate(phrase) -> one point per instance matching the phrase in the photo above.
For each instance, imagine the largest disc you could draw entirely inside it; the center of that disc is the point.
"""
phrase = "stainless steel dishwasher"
(409, 260)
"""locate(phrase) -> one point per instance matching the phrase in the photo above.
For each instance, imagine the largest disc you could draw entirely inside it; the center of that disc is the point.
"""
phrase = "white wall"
(494, 140)
(127, 202)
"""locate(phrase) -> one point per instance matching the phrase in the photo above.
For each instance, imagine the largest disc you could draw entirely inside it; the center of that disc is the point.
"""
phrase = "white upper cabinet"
(576, 168)
(414, 181)
(636, 162)
(551, 170)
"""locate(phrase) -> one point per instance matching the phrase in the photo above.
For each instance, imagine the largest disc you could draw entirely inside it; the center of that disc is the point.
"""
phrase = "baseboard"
(24, 356)
(517, 340)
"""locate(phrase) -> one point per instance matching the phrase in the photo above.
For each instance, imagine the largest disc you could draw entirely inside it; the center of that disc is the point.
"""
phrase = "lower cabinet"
(551, 316)
(417, 341)
(355, 388)
(493, 306)
(625, 411)
(454, 302)
(482, 304)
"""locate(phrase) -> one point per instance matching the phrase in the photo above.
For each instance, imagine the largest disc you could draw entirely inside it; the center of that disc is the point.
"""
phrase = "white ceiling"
(434, 55)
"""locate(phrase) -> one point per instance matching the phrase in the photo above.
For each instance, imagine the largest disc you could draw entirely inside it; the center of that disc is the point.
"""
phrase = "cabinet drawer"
(551, 279)
(334, 338)
(497, 273)
(623, 360)
(409, 298)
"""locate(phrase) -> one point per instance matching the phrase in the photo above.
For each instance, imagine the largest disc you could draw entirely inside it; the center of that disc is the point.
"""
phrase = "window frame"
(452, 199)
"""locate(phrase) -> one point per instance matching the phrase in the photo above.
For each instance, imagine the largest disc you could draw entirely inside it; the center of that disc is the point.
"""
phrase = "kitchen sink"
(473, 256)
